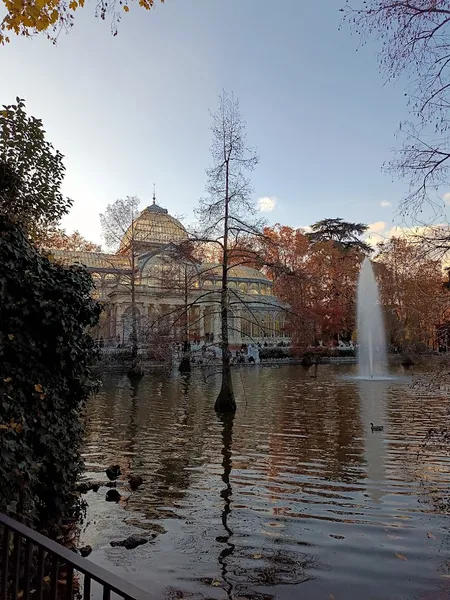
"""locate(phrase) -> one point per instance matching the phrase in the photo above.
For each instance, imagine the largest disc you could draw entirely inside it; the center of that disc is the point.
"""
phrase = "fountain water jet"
(371, 338)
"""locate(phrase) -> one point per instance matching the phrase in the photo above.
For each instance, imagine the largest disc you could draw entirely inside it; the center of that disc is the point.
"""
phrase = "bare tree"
(118, 225)
(178, 274)
(416, 43)
(224, 212)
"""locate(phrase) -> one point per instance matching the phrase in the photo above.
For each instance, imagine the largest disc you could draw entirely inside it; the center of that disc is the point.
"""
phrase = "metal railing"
(33, 567)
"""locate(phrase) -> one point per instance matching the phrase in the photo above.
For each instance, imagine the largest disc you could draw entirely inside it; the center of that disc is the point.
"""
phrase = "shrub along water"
(46, 353)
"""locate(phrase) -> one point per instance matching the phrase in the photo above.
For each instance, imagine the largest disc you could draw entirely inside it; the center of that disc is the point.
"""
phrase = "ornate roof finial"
(154, 194)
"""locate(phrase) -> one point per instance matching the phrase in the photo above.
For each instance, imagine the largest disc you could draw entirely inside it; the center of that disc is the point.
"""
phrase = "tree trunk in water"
(225, 400)
(185, 364)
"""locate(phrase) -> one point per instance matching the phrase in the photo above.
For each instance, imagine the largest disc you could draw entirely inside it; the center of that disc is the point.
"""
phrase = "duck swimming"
(376, 427)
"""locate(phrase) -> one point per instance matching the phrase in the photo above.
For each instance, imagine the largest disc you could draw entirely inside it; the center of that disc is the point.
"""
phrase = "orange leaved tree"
(30, 17)
(412, 293)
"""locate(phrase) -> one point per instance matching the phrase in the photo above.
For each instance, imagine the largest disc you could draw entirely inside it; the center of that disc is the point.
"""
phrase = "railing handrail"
(87, 567)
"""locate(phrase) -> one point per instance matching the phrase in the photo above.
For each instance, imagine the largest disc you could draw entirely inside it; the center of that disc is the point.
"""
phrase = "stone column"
(202, 322)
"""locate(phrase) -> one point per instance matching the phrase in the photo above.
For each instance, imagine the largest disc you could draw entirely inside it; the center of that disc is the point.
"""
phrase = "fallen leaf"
(431, 536)
(257, 556)
(42, 396)
(400, 556)
(10, 336)
(4, 426)
(38, 388)
(216, 583)
(8, 379)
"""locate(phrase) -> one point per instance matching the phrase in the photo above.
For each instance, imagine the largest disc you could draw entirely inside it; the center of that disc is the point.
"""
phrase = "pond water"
(294, 496)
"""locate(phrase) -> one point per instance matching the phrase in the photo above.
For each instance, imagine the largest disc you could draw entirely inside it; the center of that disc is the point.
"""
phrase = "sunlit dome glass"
(154, 226)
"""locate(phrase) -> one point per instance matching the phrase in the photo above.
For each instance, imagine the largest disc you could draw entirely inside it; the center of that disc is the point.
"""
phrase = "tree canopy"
(317, 280)
(57, 239)
(416, 43)
(343, 234)
(46, 351)
(412, 293)
(53, 16)
(227, 217)
(31, 171)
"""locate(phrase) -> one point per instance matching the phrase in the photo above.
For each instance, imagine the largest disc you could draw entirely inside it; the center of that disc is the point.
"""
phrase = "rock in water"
(135, 481)
(130, 542)
(407, 361)
(113, 472)
(85, 551)
(84, 487)
(112, 496)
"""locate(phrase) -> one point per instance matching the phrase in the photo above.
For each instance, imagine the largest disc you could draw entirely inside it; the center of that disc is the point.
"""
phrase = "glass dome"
(154, 227)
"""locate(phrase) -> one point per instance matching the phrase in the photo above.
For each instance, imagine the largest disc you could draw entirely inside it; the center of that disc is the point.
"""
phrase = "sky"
(132, 110)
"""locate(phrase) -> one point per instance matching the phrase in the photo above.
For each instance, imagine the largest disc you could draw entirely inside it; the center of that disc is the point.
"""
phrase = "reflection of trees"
(226, 494)
(169, 441)
(150, 429)
(322, 426)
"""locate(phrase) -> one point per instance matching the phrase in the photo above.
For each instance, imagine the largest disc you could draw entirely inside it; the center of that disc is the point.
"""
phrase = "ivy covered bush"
(46, 354)
(276, 352)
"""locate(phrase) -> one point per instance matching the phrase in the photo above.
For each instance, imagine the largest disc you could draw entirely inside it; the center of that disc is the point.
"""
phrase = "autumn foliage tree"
(412, 294)
(57, 239)
(53, 16)
(318, 281)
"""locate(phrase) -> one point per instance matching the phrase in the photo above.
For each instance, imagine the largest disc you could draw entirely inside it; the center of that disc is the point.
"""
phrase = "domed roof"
(238, 272)
(154, 227)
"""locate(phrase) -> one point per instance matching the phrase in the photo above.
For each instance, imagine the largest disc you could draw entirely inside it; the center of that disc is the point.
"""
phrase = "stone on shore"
(112, 496)
(130, 542)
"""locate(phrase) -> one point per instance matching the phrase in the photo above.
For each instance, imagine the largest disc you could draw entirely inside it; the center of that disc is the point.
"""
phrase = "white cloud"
(267, 203)
(379, 232)
(376, 232)
(385, 203)
(376, 227)
(446, 198)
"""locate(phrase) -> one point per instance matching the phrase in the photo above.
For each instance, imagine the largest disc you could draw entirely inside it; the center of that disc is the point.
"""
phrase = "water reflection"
(295, 489)
(226, 494)
(373, 398)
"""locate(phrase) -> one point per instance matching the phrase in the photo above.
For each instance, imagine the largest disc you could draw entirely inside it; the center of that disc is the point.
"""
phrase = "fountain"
(371, 338)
